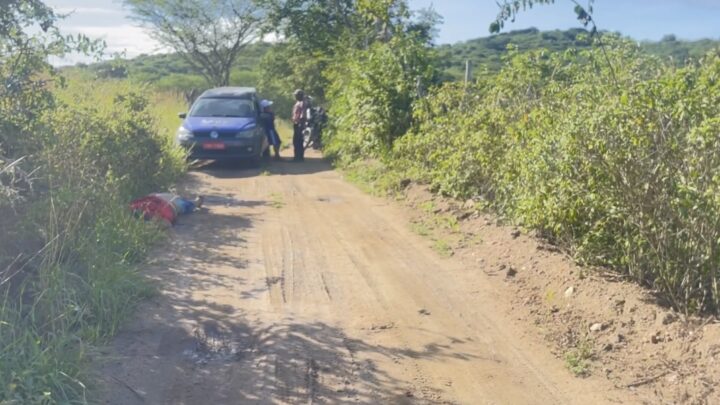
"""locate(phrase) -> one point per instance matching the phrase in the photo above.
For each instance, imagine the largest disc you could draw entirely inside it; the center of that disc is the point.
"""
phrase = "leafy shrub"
(371, 95)
(620, 163)
(71, 279)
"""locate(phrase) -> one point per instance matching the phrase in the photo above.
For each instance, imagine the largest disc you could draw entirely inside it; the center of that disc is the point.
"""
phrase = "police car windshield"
(223, 107)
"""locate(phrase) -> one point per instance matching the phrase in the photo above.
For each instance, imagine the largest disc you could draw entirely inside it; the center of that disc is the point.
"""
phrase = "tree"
(208, 34)
(509, 9)
(318, 33)
(29, 37)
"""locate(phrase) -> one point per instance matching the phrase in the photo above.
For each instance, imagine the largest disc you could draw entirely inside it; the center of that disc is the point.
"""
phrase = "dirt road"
(295, 287)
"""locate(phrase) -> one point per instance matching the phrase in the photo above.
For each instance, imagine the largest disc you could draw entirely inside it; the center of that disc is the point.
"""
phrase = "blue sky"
(464, 19)
(640, 19)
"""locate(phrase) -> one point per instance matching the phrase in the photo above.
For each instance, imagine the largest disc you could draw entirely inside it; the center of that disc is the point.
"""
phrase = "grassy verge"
(72, 259)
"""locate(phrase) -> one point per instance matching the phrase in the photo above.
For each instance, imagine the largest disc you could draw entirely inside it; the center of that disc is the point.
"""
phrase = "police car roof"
(229, 92)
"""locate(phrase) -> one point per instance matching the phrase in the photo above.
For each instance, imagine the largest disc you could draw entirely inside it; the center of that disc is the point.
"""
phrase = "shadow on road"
(185, 349)
(240, 169)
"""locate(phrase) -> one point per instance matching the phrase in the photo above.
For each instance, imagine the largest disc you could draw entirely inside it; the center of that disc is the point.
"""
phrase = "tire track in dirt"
(294, 287)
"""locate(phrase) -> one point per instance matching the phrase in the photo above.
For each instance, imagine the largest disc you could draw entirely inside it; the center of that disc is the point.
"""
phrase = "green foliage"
(486, 54)
(509, 9)
(68, 260)
(371, 95)
(315, 31)
(319, 36)
(313, 25)
(72, 154)
(209, 35)
(622, 174)
(577, 360)
(286, 68)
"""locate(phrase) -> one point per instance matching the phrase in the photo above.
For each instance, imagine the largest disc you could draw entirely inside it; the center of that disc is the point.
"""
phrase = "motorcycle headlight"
(184, 134)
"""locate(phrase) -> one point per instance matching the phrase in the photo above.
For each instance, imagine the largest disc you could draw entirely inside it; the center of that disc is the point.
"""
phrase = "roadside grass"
(165, 106)
(449, 222)
(277, 201)
(428, 207)
(578, 359)
(374, 178)
(75, 290)
(421, 228)
(443, 248)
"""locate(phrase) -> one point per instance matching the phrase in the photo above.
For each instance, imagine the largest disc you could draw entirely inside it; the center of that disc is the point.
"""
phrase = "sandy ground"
(293, 286)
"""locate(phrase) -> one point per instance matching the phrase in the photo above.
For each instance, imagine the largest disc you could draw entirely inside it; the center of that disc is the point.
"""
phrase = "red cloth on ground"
(154, 207)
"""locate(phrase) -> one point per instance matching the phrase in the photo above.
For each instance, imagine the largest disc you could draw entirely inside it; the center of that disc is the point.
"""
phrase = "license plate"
(213, 146)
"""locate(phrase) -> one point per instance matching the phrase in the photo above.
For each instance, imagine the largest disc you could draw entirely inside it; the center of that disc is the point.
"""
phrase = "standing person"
(299, 118)
(269, 124)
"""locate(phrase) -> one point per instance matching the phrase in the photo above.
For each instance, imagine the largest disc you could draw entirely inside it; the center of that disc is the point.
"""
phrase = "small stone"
(469, 204)
(424, 312)
(515, 234)
(608, 347)
(668, 318)
(596, 327)
(569, 292)
(655, 338)
(554, 309)
(620, 338)
(511, 272)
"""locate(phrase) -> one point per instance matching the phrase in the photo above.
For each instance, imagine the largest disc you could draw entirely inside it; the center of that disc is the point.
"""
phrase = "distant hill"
(171, 72)
(486, 52)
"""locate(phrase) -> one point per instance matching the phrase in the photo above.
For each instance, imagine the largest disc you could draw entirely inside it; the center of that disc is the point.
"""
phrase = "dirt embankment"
(595, 322)
(295, 287)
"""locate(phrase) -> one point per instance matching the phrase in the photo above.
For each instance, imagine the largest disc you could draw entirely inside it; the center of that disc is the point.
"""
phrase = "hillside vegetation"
(487, 53)
(170, 72)
(615, 161)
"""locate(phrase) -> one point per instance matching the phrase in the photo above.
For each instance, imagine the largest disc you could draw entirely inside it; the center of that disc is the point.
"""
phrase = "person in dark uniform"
(269, 124)
(299, 118)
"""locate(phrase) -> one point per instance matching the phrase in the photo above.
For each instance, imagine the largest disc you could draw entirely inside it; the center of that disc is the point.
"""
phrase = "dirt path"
(295, 287)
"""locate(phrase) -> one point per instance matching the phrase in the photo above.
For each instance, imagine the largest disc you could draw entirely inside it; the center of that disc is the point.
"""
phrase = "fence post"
(468, 71)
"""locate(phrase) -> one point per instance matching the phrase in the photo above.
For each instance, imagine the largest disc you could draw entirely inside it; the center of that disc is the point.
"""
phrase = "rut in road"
(295, 287)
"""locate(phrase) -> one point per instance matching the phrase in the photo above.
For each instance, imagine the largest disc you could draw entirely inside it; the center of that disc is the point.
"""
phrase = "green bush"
(97, 148)
(371, 95)
(620, 164)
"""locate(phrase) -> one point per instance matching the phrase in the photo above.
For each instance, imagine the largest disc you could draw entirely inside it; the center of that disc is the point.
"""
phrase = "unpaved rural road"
(294, 286)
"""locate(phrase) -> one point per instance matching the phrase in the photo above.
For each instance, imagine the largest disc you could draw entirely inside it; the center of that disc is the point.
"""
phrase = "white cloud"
(126, 39)
(130, 38)
(87, 10)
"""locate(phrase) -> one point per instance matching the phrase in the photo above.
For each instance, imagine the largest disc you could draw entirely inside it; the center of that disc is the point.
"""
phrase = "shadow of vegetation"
(196, 351)
(240, 169)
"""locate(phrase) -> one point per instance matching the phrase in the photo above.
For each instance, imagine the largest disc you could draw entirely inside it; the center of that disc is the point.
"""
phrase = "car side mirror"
(182, 115)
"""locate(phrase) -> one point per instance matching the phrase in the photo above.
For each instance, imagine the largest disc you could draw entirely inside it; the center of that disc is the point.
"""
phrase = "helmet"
(299, 94)
(265, 104)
